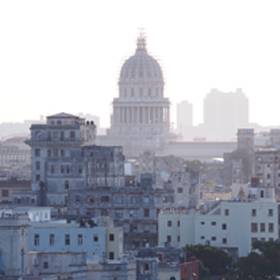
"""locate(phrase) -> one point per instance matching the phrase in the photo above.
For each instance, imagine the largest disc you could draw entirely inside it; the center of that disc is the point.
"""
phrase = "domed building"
(140, 119)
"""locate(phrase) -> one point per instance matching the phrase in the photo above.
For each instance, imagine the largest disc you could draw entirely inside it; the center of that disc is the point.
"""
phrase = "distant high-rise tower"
(224, 113)
(140, 119)
(184, 118)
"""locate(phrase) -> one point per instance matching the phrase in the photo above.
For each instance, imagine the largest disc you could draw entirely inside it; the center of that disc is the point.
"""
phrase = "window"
(51, 239)
(95, 238)
(146, 213)
(111, 237)
(224, 226)
(271, 227)
(52, 169)
(67, 239)
(254, 212)
(62, 153)
(268, 176)
(37, 165)
(254, 227)
(180, 190)
(226, 212)
(62, 136)
(72, 135)
(262, 193)
(66, 185)
(178, 238)
(61, 169)
(49, 153)
(5, 193)
(111, 256)
(36, 240)
(202, 223)
(168, 239)
(172, 278)
(80, 239)
(105, 199)
(178, 224)
(46, 265)
(169, 223)
(213, 238)
(37, 152)
(213, 223)
(270, 212)
(80, 169)
(146, 267)
(202, 237)
(67, 169)
(38, 177)
(224, 241)
(262, 227)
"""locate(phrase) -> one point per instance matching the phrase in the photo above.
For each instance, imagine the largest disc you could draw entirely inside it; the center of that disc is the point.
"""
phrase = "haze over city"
(66, 55)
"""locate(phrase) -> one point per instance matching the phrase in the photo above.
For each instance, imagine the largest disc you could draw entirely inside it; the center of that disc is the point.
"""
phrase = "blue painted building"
(60, 236)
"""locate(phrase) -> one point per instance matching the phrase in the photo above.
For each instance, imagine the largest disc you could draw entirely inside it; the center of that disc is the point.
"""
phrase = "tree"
(215, 260)
(263, 263)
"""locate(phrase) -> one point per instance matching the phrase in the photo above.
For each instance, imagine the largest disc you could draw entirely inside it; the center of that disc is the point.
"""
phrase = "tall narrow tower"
(140, 119)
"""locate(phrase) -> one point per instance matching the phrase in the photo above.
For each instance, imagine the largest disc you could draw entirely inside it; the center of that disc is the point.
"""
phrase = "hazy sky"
(66, 55)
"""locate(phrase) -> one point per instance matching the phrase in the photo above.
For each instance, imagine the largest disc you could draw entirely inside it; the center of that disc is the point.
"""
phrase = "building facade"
(224, 113)
(57, 160)
(220, 225)
(133, 206)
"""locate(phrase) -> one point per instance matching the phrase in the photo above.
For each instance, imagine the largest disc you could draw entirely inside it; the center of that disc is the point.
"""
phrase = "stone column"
(121, 115)
(135, 114)
(146, 115)
(140, 114)
(161, 114)
(167, 117)
(156, 115)
(125, 115)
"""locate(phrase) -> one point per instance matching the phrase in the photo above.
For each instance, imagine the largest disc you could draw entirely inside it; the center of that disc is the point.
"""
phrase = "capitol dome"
(141, 67)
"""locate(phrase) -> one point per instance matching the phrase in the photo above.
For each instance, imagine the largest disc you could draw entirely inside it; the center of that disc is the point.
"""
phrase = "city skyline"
(67, 62)
(138, 140)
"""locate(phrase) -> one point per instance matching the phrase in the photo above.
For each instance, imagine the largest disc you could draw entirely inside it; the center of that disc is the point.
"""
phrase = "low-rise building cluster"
(90, 213)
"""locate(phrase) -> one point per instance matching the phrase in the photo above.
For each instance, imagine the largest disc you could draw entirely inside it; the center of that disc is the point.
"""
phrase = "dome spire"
(141, 42)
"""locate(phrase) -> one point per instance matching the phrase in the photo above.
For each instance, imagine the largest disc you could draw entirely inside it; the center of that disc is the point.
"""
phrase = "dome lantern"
(141, 42)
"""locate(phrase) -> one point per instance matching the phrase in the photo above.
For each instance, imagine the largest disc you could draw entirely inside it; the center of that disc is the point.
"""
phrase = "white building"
(224, 113)
(140, 119)
(227, 224)
(184, 119)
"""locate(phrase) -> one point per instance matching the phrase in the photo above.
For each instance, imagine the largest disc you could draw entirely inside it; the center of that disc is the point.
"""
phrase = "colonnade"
(141, 114)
